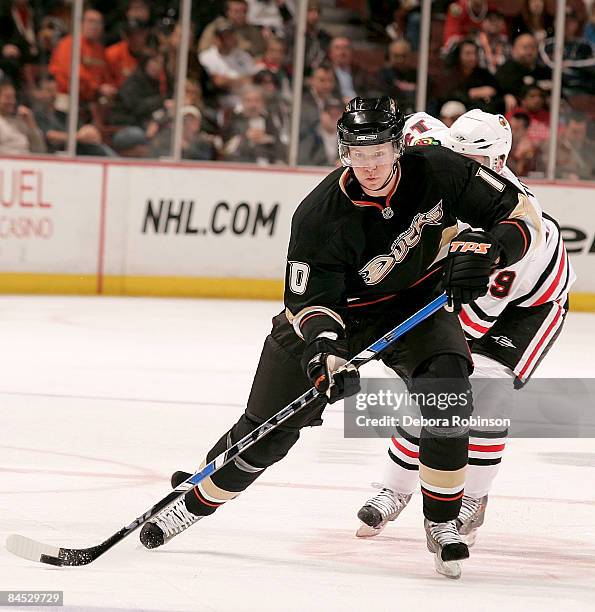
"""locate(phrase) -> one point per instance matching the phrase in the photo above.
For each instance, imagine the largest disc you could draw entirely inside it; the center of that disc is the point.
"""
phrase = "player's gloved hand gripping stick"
(328, 371)
(472, 257)
(54, 555)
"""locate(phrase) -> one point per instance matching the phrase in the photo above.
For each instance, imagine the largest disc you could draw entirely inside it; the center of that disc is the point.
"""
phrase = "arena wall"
(130, 228)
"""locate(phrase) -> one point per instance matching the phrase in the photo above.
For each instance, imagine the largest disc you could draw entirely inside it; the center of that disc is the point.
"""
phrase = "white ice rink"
(101, 399)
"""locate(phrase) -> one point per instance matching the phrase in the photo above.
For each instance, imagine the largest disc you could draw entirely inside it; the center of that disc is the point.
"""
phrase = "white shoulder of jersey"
(420, 126)
(509, 175)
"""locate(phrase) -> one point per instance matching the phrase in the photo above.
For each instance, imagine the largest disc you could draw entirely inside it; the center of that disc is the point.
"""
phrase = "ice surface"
(101, 399)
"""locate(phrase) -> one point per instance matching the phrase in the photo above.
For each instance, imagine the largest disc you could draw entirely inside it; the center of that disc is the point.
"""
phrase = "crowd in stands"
(496, 56)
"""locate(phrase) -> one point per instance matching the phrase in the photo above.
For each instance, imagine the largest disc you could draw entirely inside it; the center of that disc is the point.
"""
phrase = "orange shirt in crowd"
(94, 70)
(121, 62)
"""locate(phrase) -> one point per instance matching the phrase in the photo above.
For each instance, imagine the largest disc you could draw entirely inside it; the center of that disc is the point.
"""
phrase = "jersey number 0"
(298, 276)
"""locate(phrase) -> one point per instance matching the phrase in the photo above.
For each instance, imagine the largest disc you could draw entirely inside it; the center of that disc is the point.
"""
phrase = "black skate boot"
(166, 524)
(471, 517)
(445, 542)
(385, 506)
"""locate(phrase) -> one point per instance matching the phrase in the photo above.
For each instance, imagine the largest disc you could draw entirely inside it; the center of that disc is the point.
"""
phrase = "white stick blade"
(28, 548)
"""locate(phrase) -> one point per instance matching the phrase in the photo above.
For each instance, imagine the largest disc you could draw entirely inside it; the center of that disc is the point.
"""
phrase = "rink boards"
(129, 228)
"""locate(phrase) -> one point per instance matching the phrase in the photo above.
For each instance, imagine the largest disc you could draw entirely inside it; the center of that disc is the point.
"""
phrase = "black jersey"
(347, 248)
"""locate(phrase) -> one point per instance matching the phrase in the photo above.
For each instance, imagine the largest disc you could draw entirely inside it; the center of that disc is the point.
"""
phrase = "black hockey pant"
(434, 351)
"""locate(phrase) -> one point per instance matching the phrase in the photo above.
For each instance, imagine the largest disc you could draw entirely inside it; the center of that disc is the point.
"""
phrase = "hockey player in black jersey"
(367, 249)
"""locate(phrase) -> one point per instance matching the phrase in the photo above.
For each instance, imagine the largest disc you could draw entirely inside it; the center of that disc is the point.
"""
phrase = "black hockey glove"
(472, 257)
(324, 362)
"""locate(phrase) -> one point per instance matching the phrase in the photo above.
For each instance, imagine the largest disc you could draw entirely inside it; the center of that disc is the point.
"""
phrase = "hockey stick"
(53, 555)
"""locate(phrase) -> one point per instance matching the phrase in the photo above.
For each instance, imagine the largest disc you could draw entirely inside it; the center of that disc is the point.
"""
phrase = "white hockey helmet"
(481, 134)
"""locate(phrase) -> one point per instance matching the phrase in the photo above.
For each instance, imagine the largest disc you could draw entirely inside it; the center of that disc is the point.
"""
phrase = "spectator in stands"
(494, 48)
(273, 60)
(193, 96)
(195, 143)
(250, 36)
(19, 133)
(278, 107)
(405, 23)
(229, 67)
(321, 86)
(170, 37)
(141, 94)
(351, 80)
(53, 124)
(51, 31)
(137, 11)
(251, 135)
(270, 15)
(463, 20)
(317, 39)
(18, 41)
(162, 119)
(578, 57)
(95, 77)
(576, 152)
(395, 30)
(318, 147)
(122, 57)
(466, 82)
(533, 19)
(132, 142)
(523, 157)
(398, 78)
(522, 69)
(450, 111)
(533, 104)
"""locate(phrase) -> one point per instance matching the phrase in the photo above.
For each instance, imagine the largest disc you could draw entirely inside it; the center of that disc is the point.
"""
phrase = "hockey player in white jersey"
(510, 329)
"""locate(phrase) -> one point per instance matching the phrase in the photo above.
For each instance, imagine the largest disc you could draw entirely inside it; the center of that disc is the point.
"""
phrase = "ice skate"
(385, 506)
(471, 517)
(448, 547)
(168, 523)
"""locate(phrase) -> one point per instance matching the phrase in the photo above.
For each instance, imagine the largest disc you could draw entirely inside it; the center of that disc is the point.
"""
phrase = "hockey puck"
(51, 560)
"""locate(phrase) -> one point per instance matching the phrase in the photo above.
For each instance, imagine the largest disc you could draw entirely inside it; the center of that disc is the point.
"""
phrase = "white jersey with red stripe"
(543, 275)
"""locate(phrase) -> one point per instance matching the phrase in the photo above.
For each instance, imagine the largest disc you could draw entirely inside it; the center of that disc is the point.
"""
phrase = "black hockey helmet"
(370, 121)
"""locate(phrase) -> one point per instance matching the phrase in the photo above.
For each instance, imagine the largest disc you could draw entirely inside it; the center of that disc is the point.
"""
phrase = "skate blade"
(365, 531)
(450, 569)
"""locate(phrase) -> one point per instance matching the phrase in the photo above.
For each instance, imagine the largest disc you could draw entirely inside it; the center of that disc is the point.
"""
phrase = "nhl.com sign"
(190, 217)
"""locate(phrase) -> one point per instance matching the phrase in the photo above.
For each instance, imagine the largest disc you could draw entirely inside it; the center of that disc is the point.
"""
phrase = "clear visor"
(384, 154)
